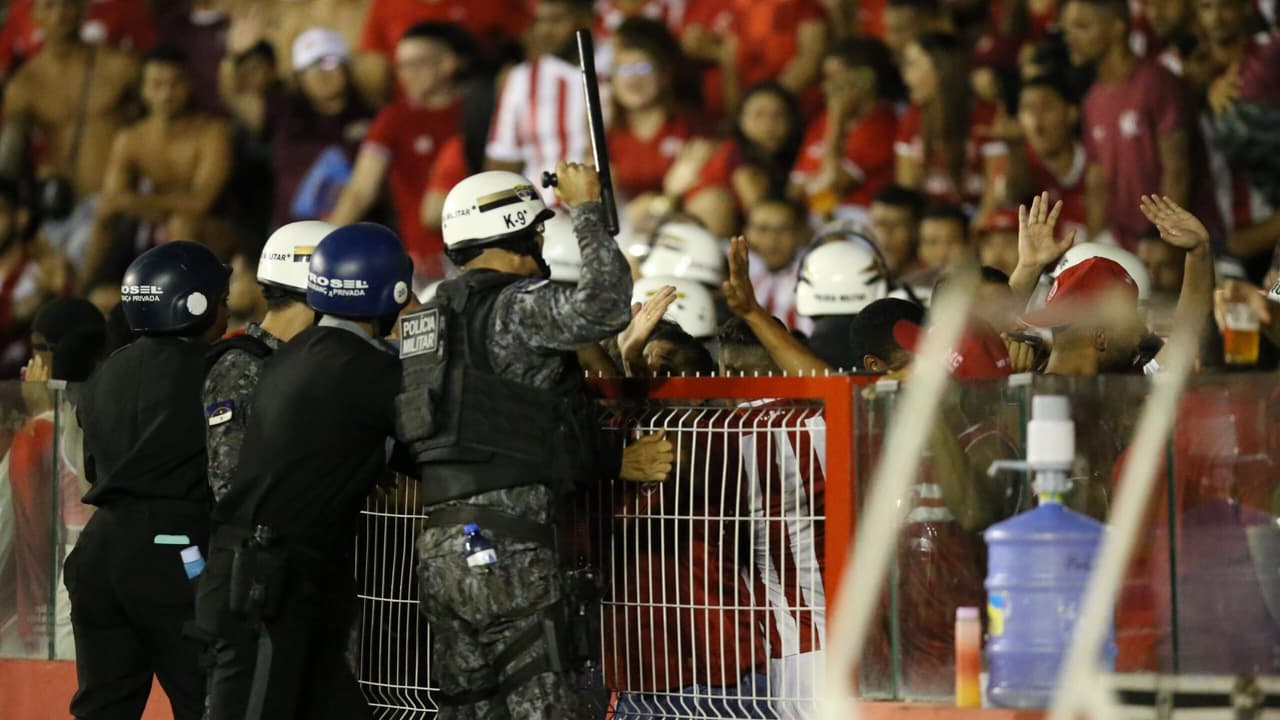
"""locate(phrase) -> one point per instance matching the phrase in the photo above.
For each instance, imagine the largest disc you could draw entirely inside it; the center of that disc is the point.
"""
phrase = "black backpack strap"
(243, 341)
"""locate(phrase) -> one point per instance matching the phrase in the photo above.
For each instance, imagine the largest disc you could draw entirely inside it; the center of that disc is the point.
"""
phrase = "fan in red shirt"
(754, 164)
(1140, 135)
(123, 24)
(847, 154)
(944, 148)
(1051, 159)
(406, 136)
(649, 125)
(779, 40)
(494, 23)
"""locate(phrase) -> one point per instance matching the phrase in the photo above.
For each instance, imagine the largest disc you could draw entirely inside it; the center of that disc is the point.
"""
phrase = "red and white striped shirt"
(783, 450)
(541, 118)
(776, 293)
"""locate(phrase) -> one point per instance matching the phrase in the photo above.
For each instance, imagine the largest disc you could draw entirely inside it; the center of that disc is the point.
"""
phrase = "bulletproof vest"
(244, 342)
(471, 430)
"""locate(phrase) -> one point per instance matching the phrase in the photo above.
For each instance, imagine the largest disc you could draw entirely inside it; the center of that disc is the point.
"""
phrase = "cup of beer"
(1240, 335)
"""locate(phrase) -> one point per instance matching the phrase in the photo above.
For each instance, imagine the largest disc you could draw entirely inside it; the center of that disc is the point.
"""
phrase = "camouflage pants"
(476, 614)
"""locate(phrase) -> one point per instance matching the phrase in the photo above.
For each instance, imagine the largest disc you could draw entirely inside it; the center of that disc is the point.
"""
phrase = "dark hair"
(777, 165)
(899, 196)
(944, 123)
(947, 211)
(654, 38)
(870, 52)
(76, 333)
(262, 49)
(166, 55)
(451, 35)
(797, 208)
(11, 191)
(1116, 8)
(575, 5)
(736, 333)
(691, 356)
(995, 276)
(930, 7)
(871, 331)
(1053, 83)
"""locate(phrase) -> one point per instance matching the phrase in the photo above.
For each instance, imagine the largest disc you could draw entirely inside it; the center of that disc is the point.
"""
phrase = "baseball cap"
(1001, 220)
(1080, 288)
(315, 45)
(979, 355)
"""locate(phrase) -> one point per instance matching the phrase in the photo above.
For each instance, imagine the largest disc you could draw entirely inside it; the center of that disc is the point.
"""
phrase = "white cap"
(686, 250)
(316, 44)
(191, 554)
(840, 278)
(490, 207)
(560, 249)
(694, 309)
(284, 259)
(1127, 260)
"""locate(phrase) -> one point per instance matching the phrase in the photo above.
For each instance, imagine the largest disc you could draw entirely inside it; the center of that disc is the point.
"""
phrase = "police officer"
(145, 459)
(279, 593)
(494, 411)
(235, 362)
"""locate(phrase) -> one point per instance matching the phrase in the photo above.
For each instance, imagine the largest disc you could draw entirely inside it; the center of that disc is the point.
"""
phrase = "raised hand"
(644, 318)
(1177, 227)
(739, 293)
(1037, 246)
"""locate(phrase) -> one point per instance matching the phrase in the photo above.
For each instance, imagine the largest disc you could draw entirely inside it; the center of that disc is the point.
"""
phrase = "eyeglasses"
(635, 69)
(760, 229)
(332, 62)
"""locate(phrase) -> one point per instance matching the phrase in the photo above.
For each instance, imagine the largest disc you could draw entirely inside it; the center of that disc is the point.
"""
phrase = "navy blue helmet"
(174, 288)
(359, 271)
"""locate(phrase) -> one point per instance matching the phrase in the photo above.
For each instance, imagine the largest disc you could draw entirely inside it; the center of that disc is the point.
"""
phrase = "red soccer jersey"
(640, 165)
(1068, 189)
(718, 172)
(867, 155)
(124, 24)
(1122, 125)
(411, 136)
(979, 145)
(450, 166)
(766, 33)
(491, 22)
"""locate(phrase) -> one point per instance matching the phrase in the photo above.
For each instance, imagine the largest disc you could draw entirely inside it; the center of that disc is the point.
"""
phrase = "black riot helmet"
(174, 289)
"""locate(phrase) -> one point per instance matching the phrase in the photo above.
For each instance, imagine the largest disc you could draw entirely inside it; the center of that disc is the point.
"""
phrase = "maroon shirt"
(1123, 123)
(299, 136)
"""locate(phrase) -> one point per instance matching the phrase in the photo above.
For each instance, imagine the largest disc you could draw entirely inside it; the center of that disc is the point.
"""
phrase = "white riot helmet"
(1127, 260)
(491, 207)
(284, 259)
(560, 249)
(840, 278)
(694, 310)
(685, 250)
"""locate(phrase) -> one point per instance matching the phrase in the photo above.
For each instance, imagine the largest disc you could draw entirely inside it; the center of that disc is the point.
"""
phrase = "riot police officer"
(235, 362)
(494, 410)
(145, 459)
(279, 594)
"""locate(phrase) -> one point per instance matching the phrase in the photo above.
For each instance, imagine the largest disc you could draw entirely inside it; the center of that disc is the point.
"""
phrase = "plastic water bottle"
(478, 549)
(192, 562)
(1038, 567)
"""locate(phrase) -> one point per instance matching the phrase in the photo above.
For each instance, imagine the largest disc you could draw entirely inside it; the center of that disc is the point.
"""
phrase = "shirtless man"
(168, 169)
(67, 85)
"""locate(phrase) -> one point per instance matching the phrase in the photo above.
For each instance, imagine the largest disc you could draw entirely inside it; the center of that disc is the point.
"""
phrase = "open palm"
(1177, 226)
(1037, 245)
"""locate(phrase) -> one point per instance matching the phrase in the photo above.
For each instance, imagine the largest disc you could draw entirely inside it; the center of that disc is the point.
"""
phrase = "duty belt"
(513, 526)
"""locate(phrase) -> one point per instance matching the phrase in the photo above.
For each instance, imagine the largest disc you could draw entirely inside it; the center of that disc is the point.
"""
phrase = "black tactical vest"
(471, 430)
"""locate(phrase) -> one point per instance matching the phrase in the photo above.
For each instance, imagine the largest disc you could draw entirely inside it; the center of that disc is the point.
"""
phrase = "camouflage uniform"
(476, 613)
(228, 390)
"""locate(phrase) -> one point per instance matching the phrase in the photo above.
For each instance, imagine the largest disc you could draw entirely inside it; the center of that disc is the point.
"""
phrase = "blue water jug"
(1038, 566)
(477, 548)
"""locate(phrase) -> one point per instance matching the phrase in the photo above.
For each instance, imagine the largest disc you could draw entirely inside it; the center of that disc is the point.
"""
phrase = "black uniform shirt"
(144, 425)
(317, 438)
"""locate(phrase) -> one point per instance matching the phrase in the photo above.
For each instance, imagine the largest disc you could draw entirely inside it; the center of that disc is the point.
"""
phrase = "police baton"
(595, 120)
